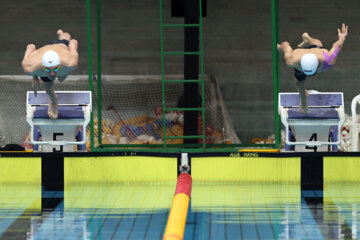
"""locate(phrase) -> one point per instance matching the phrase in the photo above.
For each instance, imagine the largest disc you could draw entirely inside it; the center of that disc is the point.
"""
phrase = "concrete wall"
(237, 45)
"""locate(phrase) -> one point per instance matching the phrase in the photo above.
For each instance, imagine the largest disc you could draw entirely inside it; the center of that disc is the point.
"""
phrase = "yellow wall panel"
(120, 169)
(20, 170)
(341, 169)
(245, 169)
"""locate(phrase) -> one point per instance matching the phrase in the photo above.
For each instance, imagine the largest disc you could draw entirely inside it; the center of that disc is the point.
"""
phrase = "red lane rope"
(184, 184)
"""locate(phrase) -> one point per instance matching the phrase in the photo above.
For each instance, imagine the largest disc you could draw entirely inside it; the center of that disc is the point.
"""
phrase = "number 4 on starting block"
(316, 130)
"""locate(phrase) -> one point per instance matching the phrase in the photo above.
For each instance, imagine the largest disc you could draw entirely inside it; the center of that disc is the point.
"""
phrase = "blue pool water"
(217, 211)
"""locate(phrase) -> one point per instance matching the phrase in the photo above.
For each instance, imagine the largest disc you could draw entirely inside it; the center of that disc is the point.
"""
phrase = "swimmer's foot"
(53, 110)
(63, 35)
(59, 32)
(303, 108)
(305, 41)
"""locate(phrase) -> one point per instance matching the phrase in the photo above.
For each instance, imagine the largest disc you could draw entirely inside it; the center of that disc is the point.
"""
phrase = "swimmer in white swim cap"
(311, 58)
(53, 61)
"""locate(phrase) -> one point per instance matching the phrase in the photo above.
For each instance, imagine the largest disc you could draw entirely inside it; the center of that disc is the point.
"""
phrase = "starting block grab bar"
(354, 124)
(325, 113)
(74, 108)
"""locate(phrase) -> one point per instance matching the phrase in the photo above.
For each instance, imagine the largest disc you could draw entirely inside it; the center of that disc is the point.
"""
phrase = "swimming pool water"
(217, 211)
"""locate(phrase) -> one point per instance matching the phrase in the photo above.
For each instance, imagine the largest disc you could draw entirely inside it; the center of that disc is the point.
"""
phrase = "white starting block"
(74, 108)
(354, 124)
(317, 130)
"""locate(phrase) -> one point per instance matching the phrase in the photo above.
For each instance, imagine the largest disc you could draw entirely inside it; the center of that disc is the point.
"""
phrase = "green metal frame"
(165, 81)
(177, 147)
(276, 69)
(90, 69)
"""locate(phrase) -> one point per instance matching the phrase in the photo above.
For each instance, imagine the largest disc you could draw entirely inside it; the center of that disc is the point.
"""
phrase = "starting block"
(74, 108)
(354, 124)
(317, 130)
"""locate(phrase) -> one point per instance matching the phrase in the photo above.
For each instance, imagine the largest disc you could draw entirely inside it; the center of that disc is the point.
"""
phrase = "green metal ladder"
(167, 81)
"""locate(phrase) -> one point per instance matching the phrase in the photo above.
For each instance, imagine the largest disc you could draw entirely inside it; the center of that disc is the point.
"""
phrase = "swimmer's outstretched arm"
(330, 57)
(29, 49)
(342, 36)
(31, 59)
(71, 59)
(284, 47)
(288, 53)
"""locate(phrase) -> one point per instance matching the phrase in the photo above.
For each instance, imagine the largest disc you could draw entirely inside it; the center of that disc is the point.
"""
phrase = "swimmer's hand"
(343, 32)
(35, 85)
(62, 78)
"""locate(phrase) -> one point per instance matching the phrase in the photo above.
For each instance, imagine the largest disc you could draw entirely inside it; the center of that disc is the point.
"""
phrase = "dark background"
(237, 45)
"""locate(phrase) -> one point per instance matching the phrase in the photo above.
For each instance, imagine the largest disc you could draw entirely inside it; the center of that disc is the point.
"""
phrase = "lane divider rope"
(176, 223)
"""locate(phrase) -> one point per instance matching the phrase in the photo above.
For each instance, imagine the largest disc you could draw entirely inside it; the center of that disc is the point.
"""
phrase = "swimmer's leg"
(308, 41)
(53, 104)
(300, 85)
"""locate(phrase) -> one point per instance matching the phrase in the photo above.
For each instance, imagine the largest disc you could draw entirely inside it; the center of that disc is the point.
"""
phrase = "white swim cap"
(50, 59)
(309, 64)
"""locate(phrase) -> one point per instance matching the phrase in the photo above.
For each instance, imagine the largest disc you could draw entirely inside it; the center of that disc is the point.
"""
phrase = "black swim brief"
(311, 46)
(63, 41)
(300, 76)
(46, 79)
